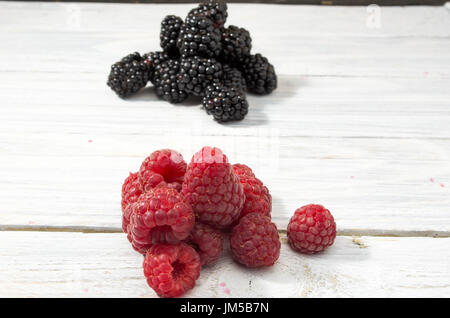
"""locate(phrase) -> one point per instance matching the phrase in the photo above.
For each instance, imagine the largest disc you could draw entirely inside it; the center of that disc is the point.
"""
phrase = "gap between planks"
(343, 232)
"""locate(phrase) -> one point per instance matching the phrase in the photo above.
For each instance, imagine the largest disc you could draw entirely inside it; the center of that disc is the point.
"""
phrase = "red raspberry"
(171, 270)
(213, 189)
(240, 170)
(257, 196)
(255, 241)
(207, 241)
(311, 229)
(160, 215)
(131, 189)
(167, 163)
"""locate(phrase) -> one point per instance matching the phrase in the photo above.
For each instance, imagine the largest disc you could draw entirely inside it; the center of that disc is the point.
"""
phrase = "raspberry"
(133, 187)
(255, 241)
(164, 165)
(171, 270)
(131, 190)
(240, 169)
(257, 196)
(311, 229)
(212, 188)
(160, 215)
(207, 241)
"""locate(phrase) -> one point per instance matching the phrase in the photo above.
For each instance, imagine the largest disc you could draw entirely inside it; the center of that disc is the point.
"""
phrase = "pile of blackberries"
(201, 57)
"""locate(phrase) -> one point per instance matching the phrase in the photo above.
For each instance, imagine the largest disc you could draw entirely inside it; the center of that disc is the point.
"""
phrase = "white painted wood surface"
(102, 265)
(360, 123)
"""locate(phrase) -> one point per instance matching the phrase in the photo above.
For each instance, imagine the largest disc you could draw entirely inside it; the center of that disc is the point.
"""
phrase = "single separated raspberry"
(171, 270)
(311, 229)
(207, 241)
(212, 188)
(168, 164)
(255, 241)
(160, 215)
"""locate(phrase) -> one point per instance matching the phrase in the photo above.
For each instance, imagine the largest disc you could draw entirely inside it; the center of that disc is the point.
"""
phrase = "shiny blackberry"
(128, 75)
(153, 59)
(236, 44)
(225, 103)
(215, 10)
(166, 82)
(259, 74)
(198, 37)
(233, 78)
(197, 73)
(170, 29)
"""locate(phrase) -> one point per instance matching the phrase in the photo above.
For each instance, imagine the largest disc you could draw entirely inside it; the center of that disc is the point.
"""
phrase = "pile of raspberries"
(201, 57)
(177, 215)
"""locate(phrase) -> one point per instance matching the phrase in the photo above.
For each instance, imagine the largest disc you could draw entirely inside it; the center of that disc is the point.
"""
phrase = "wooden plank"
(306, 20)
(366, 183)
(64, 103)
(366, 148)
(39, 264)
(323, 2)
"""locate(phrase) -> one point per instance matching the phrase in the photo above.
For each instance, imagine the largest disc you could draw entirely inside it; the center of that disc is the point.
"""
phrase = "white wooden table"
(360, 123)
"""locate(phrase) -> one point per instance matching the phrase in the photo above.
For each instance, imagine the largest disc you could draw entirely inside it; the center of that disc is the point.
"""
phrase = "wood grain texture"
(104, 265)
(360, 121)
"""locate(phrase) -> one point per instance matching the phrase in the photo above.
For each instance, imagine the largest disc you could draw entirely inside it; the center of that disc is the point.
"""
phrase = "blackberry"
(197, 73)
(166, 83)
(198, 37)
(170, 28)
(215, 10)
(259, 74)
(128, 75)
(153, 59)
(232, 77)
(225, 103)
(236, 44)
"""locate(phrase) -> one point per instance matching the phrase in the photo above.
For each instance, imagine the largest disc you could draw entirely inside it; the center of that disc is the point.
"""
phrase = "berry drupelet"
(129, 75)
(170, 29)
(259, 74)
(197, 73)
(198, 37)
(225, 103)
